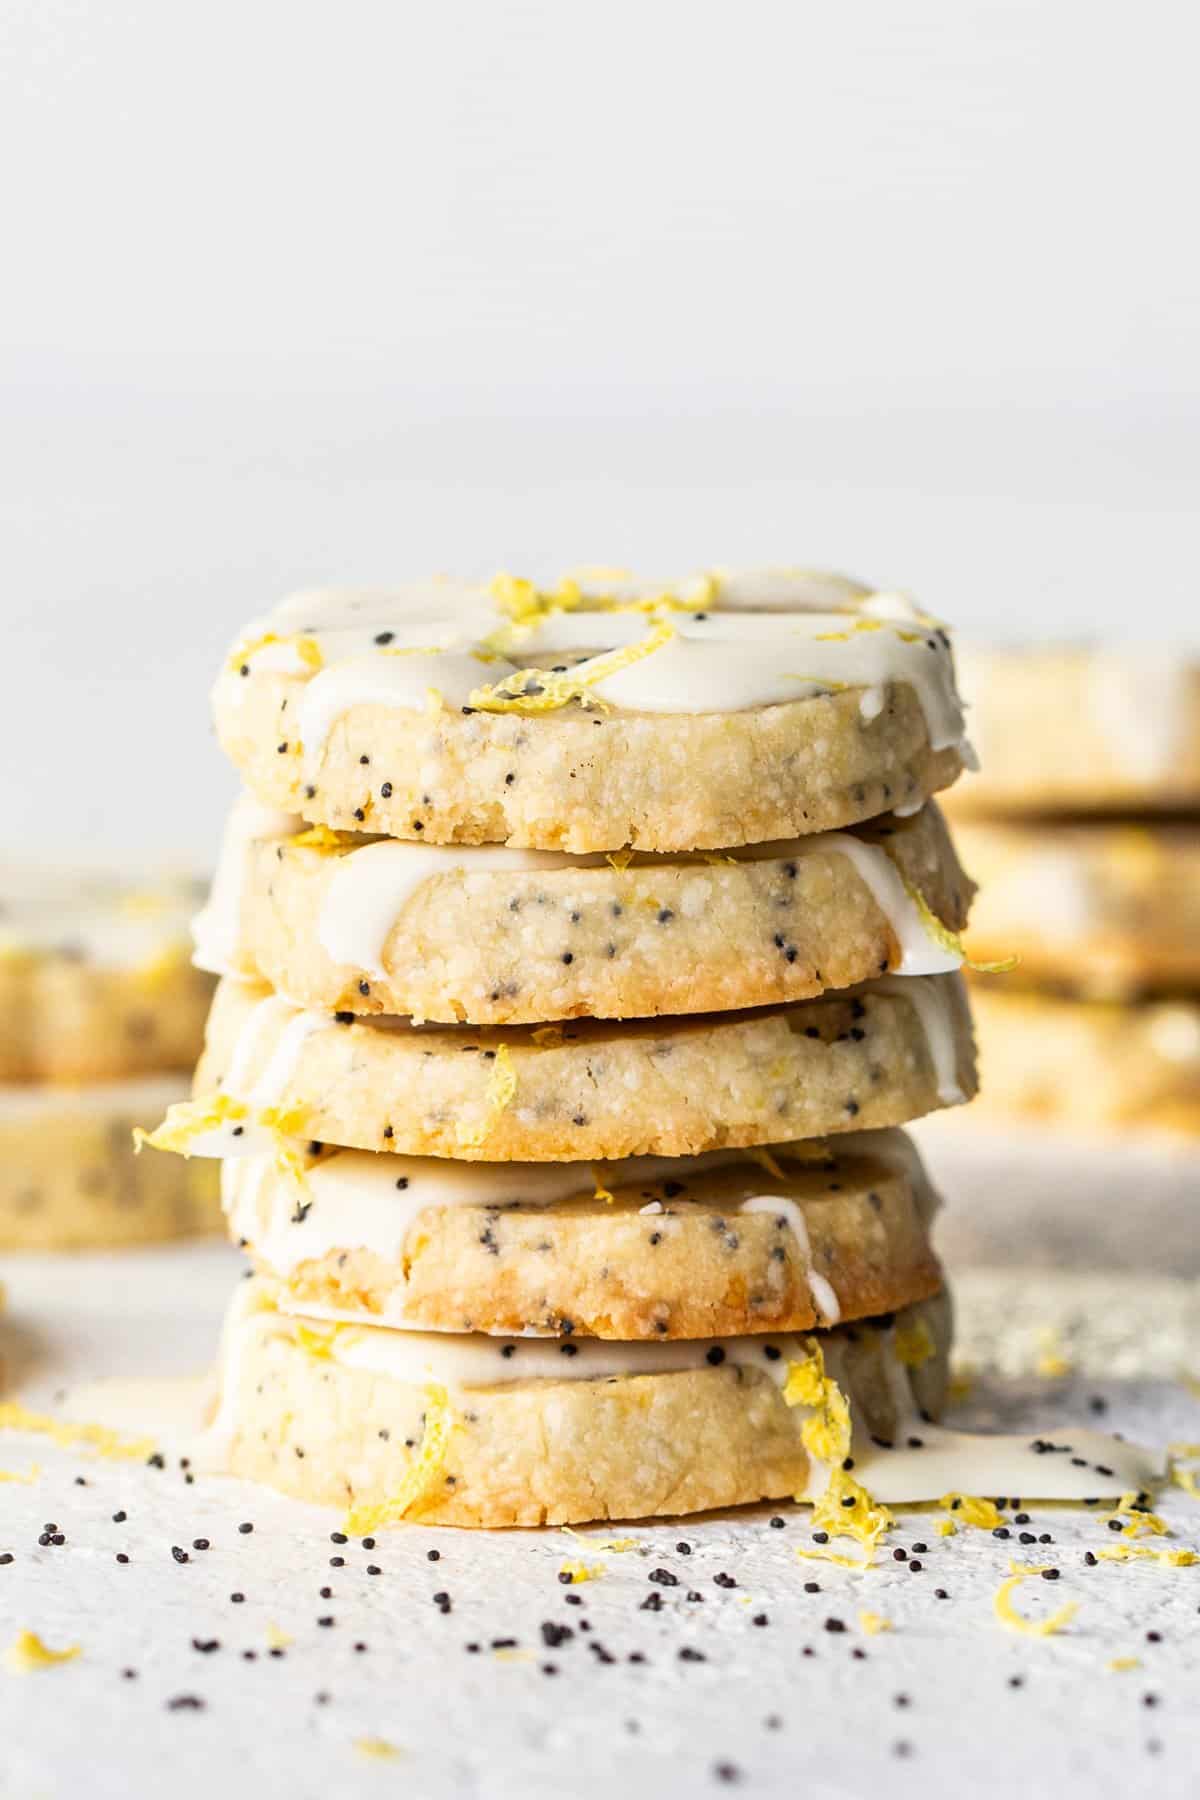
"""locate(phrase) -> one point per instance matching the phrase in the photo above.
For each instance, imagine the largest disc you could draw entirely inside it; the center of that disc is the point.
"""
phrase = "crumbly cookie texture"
(623, 940)
(69, 1179)
(298, 1416)
(636, 1252)
(847, 1061)
(1108, 911)
(96, 982)
(577, 780)
(1088, 1063)
(1082, 730)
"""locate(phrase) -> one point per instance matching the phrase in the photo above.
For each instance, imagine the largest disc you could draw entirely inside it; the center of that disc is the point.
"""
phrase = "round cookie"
(583, 724)
(672, 1247)
(96, 982)
(1088, 1063)
(879, 1055)
(1109, 911)
(493, 935)
(69, 1179)
(453, 1431)
(1082, 730)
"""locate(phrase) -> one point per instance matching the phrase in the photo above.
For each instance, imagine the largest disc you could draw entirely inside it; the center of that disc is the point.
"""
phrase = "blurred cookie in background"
(101, 1014)
(1083, 729)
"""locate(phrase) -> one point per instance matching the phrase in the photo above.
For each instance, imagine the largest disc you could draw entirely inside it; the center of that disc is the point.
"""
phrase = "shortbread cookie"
(69, 1179)
(585, 724)
(673, 1247)
(876, 1056)
(1082, 730)
(454, 1430)
(493, 935)
(1088, 1063)
(96, 981)
(1107, 910)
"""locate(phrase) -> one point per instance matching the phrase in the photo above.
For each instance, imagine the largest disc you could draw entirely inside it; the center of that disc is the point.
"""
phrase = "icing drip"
(932, 1002)
(251, 1135)
(215, 929)
(920, 954)
(824, 1298)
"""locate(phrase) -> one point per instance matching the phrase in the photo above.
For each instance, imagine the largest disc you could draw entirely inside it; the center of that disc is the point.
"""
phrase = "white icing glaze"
(824, 1298)
(370, 887)
(726, 659)
(215, 929)
(931, 998)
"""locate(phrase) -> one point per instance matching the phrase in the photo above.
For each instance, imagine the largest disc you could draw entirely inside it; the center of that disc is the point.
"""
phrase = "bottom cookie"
(1088, 1063)
(488, 1431)
(69, 1179)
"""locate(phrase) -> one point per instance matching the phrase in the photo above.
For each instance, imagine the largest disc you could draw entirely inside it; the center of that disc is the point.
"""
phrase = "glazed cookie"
(1089, 1063)
(493, 935)
(1082, 730)
(676, 1247)
(879, 1055)
(69, 1180)
(1107, 910)
(453, 1430)
(578, 722)
(96, 982)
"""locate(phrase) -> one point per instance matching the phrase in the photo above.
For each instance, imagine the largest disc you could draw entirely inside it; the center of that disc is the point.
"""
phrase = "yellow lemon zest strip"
(186, 1121)
(1006, 1612)
(949, 940)
(579, 1571)
(14, 1417)
(1141, 1523)
(873, 1623)
(425, 1467)
(321, 837)
(914, 1343)
(513, 695)
(766, 1161)
(29, 1653)
(377, 1747)
(613, 1544)
(1169, 1559)
(26, 1480)
(1121, 1663)
(982, 1514)
(500, 1093)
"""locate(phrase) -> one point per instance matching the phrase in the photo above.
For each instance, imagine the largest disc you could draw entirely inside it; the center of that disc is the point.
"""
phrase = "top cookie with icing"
(598, 715)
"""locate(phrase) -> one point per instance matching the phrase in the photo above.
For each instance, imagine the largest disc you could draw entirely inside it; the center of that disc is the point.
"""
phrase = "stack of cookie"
(100, 1013)
(1082, 834)
(572, 999)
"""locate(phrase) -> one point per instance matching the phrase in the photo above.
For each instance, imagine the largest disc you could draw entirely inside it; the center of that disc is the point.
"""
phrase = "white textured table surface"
(746, 1688)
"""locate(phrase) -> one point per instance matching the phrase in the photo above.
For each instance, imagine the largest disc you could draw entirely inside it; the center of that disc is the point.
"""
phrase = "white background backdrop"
(294, 292)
